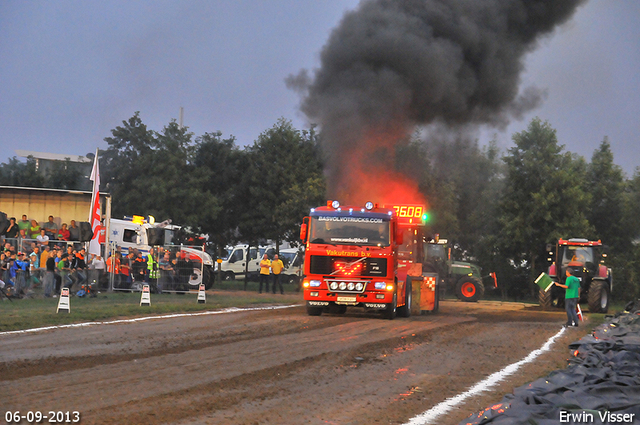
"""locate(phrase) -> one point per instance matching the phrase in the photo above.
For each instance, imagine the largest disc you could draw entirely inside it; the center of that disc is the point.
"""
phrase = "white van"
(234, 261)
(293, 260)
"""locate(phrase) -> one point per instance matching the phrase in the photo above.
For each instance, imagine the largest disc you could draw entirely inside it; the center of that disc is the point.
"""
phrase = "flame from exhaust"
(365, 171)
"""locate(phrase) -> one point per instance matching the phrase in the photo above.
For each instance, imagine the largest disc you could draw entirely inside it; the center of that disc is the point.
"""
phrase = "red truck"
(360, 256)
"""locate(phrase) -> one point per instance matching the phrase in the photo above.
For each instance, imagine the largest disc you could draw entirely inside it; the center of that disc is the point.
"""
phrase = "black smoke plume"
(392, 65)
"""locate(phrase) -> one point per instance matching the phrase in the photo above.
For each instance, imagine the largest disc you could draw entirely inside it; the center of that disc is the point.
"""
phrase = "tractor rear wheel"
(469, 289)
(545, 299)
(551, 299)
(598, 296)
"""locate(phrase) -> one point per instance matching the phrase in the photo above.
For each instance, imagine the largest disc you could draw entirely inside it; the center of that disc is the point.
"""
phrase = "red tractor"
(586, 259)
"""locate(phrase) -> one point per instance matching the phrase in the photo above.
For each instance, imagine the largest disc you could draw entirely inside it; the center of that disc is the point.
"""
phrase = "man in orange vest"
(113, 266)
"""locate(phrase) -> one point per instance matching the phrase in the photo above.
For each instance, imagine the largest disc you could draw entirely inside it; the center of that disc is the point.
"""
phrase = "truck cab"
(355, 256)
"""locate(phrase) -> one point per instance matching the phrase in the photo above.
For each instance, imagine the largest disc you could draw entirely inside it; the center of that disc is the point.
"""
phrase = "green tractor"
(463, 278)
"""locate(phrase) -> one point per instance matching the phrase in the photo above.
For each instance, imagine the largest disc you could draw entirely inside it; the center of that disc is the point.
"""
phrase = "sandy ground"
(278, 366)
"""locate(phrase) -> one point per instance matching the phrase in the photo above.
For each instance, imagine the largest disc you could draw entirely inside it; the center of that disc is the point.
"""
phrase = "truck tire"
(469, 289)
(405, 310)
(598, 296)
(198, 277)
(337, 309)
(291, 279)
(314, 311)
(228, 276)
(436, 306)
(392, 308)
(207, 277)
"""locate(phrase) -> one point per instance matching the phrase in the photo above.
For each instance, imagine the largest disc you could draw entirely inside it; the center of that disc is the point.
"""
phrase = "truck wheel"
(337, 309)
(314, 311)
(291, 279)
(207, 277)
(436, 307)
(229, 276)
(390, 312)
(201, 276)
(405, 310)
(598, 296)
(469, 289)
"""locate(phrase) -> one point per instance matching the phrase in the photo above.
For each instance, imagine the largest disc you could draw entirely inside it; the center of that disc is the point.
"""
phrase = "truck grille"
(325, 265)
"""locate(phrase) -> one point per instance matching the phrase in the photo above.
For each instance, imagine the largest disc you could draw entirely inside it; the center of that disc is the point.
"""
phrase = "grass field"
(38, 311)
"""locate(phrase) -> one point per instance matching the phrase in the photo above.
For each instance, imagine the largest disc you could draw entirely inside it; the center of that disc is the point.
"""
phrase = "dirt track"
(277, 366)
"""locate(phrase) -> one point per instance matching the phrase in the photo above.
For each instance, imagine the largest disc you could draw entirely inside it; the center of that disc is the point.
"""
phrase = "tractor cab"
(579, 255)
(436, 254)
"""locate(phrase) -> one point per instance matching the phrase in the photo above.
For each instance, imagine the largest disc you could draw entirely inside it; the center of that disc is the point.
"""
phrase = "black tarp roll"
(601, 384)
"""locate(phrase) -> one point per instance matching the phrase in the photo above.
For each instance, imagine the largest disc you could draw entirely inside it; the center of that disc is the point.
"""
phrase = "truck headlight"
(314, 283)
(380, 285)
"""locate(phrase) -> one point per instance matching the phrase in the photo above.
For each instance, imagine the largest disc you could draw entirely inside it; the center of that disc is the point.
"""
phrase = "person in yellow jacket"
(276, 268)
(265, 264)
(152, 271)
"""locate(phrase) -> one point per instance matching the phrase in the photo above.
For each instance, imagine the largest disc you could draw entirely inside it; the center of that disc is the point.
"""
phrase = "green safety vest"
(153, 267)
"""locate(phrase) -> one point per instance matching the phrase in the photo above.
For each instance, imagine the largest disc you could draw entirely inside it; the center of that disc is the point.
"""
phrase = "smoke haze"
(392, 65)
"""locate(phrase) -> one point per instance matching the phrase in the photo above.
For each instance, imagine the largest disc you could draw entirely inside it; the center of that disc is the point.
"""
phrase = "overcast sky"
(70, 71)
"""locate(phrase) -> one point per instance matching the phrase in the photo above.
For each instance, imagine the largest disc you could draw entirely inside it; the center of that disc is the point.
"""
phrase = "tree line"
(503, 209)
(499, 209)
(210, 185)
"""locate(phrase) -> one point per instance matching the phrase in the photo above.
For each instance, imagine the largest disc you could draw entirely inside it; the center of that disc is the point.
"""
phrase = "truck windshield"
(287, 258)
(350, 230)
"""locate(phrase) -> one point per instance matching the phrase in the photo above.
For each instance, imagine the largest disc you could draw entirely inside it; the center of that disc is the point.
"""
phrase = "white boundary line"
(444, 407)
(141, 319)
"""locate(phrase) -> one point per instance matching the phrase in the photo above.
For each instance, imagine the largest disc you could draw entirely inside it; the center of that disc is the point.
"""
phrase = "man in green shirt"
(572, 295)
(24, 224)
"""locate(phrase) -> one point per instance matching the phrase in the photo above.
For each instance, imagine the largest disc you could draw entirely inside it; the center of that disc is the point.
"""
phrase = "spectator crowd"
(50, 257)
(47, 256)
(162, 269)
